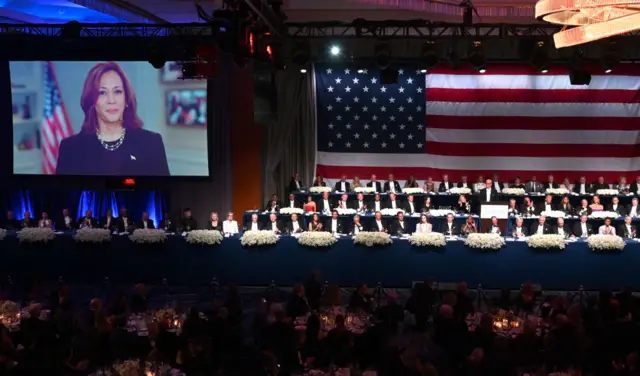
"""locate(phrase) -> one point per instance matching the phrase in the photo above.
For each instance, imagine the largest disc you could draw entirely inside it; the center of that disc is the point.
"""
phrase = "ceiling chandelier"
(593, 19)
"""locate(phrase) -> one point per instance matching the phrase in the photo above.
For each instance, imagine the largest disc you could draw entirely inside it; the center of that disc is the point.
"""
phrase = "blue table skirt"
(345, 263)
(367, 220)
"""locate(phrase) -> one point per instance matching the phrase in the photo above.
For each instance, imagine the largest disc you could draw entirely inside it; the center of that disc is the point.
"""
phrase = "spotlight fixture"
(429, 56)
(540, 57)
(303, 71)
(476, 56)
(578, 75)
(334, 50)
(156, 60)
(382, 54)
(301, 56)
(610, 57)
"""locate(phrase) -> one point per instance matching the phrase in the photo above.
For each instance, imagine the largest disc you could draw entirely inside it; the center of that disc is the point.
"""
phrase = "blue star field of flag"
(357, 114)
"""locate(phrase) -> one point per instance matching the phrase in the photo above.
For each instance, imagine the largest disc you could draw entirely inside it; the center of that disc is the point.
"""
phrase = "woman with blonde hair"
(355, 183)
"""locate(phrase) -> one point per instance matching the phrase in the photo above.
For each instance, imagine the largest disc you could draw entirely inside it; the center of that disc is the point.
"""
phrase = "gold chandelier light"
(593, 19)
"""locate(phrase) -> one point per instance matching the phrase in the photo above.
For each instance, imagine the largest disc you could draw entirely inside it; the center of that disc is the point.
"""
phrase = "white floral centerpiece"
(607, 192)
(441, 212)
(204, 237)
(485, 241)
(319, 189)
(553, 214)
(391, 212)
(92, 235)
(432, 239)
(557, 191)
(513, 191)
(291, 211)
(316, 239)
(342, 211)
(372, 239)
(460, 191)
(547, 241)
(604, 214)
(3, 233)
(412, 191)
(36, 235)
(258, 238)
(148, 236)
(364, 190)
(604, 243)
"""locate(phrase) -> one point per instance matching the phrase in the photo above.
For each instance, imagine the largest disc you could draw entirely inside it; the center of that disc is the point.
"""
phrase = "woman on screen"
(112, 141)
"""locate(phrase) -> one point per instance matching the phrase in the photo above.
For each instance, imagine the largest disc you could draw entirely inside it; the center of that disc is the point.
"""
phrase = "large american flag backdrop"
(55, 123)
(511, 120)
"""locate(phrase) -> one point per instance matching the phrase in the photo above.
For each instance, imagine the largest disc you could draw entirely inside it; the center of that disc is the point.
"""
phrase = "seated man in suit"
(551, 183)
(273, 224)
(634, 208)
(296, 183)
(375, 183)
(528, 207)
(87, 221)
(541, 227)
(582, 229)
(497, 184)
(334, 224)
(108, 221)
(254, 225)
(125, 224)
(378, 223)
(450, 228)
(392, 185)
(533, 185)
(494, 228)
(561, 228)
(11, 223)
(356, 226)
(488, 194)
(273, 205)
(324, 205)
(167, 223)
(393, 202)
(517, 183)
(464, 183)
(291, 203)
(627, 230)
(376, 205)
(65, 222)
(546, 206)
(582, 187)
(401, 227)
(230, 226)
(344, 202)
(616, 207)
(146, 222)
(445, 185)
(295, 226)
(519, 231)
(360, 204)
(343, 185)
(45, 221)
(27, 221)
(600, 184)
(188, 222)
(607, 229)
(411, 206)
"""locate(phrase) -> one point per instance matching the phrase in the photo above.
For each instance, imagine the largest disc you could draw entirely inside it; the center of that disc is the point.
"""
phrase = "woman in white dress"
(424, 226)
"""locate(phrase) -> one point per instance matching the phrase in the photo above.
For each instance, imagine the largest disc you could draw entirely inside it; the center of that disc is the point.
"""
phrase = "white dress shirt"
(295, 226)
(292, 204)
(392, 187)
(450, 227)
(561, 231)
(377, 205)
(412, 209)
(519, 231)
(380, 226)
(356, 228)
(446, 185)
(583, 228)
(108, 221)
(326, 205)
(495, 229)
(464, 185)
(298, 185)
(144, 224)
(360, 204)
(343, 186)
(230, 227)
(254, 226)
(629, 233)
(583, 189)
(67, 220)
(393, 204)
(488, 194)
(547, 207)
(401, 223)
(540, 230)
(497, 186)
(634, 211)
(274, 227)
(615, 208)
(343, 204)
(334, 225)
(125, 220)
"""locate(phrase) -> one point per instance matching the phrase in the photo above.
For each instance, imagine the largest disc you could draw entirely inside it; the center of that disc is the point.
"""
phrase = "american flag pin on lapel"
(133, 157)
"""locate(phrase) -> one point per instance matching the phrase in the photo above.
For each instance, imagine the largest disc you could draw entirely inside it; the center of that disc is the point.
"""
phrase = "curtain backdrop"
(78, 202)
(290, 143)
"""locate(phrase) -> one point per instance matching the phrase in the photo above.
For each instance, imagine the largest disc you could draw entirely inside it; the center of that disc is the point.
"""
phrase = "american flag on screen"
(511, 120)
(55, 124)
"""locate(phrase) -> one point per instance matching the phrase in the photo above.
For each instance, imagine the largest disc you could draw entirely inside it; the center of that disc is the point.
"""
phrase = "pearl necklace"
(117, 143)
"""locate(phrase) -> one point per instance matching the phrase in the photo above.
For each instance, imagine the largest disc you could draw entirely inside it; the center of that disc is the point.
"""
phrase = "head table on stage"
(344, 263)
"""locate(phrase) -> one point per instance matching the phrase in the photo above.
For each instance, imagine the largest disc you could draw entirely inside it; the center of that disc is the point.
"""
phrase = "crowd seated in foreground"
(431, 333)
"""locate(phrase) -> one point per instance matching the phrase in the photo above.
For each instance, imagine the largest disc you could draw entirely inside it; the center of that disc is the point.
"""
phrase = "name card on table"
(500, 211)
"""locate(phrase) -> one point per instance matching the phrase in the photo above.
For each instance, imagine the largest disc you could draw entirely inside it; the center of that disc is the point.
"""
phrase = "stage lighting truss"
(593, 19)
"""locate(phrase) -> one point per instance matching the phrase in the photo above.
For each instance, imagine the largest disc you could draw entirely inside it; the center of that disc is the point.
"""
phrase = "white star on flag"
(384, 145)
(366, 145)
(383, 89)
(400, 71)
(410, 136)
(329, 71)
(348, 144)
(339, 135)
(365, 89)
(330, 89)
(338, 99)
(392, 100)
(356, 99)
(374, 118)
(374, 136)
(365, 109)
(392, 136)
(329, 107)
(338, 80)
(374, 100)
(347, 108)
(392, 118)
(366, 126)
(401, 90)
(419, 144)
(402, 126)
(356, 117)
(374, 80)
(348, 126)
(401, 145)
(400, 109)
(409, 80)
(356, 80)
(347, 89)
(347, 71)
(383, 109)
(330, 144)
(356, 135)
(331, 125)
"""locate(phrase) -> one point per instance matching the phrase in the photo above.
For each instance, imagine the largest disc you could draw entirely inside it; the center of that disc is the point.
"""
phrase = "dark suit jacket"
(287, 204)
(525, 210)
(378, 186)
(622, 231)
(577, 229)
(399, 230)
(597, 186)
(320, 204)
(491, 228)
(316, 184)
(567, 230)
(92, 222)
(356, 205)
(587, 188)
(293, 187)
(218, 225)
(290, 226)
(416, 207)
(621, 210)
(141, 154)
(628, 211)
(150, 224)
(525, 232)
(326, 226)
(248, 226)
(268, 227)
(498, 184)
(271, 208)
(399, 206)
(454, 229)
(347, 204)
(396, 186)
(579, 209)
(634, 187)
(61, 225)
(374, 226)
(189, 224)
(441, 187)
(534, 228)
(469, 185)
(538, 188)
(338, 187)
(542, 206)
(568, 209)
(28, 223)
(120, 224)
(168, 224)
(103, 222)
(554, 185)
(483, 195)
(11, 224)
